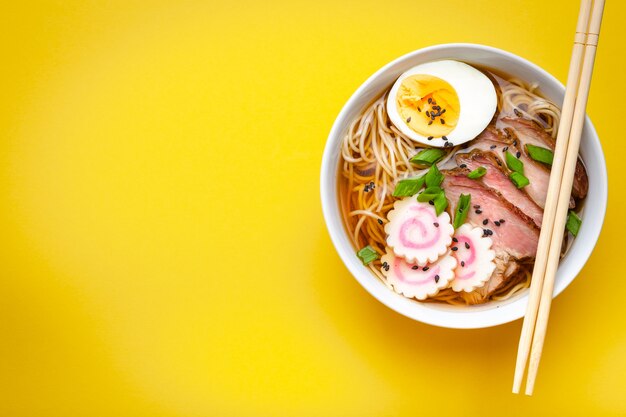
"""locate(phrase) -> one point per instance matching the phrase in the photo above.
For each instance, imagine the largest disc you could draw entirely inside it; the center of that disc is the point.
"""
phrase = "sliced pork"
(514, 233)
(498, 179)
(517, 235)
(506, 270)
(491, 140)
(528, 132)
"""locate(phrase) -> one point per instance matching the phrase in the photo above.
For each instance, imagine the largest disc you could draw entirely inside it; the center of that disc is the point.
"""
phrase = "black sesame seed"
(430, 138)
(517, 113)
(430, 122)
(455, 240)
(515, 142)
(380, 221)
(443, 122)
(431, 202)
(518, 154)
(384, 264)
(462, 166)
(501, 220)
(478, 211)
(436, 224)
(444, 138)
(419, 109)
(476, 206)
(443, 111)
(427, 113)
(497, 223)
(462, 263)
(408, 120)
(430, 100)
(506, 148)
(415, 267)
(436, 278)
(492, 147)
(454, 248)
(467, 246)
(426, 268)
(485, 222)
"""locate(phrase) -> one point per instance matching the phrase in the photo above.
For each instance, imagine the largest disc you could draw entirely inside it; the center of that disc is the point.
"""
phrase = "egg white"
(477, 100)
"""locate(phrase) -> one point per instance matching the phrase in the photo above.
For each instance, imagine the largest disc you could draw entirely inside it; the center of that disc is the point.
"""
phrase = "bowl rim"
(470, 319)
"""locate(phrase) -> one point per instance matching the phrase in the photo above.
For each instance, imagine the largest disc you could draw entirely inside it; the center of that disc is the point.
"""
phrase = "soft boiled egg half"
(442, 103)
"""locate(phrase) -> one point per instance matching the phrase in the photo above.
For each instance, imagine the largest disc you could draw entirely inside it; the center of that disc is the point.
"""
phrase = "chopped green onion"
(540, 154)
(367, 255)
(424, 196)
(433, 177)
(477, 173)
(408, 187)
(461, 210)
(428, 156)
(573, 223)
(429, 194)
(519, 180)
(433, 190)
(513, 163)
(441, 202)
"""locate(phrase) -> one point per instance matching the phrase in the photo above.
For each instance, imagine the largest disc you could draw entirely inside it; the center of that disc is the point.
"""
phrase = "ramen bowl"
(491, 313)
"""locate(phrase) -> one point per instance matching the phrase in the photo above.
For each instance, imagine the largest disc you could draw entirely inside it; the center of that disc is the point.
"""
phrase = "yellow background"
(163, 251)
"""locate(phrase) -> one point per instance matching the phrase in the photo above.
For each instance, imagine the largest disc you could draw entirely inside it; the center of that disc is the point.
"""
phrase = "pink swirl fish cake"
(474, 256)
(416, 233)
(416, 281)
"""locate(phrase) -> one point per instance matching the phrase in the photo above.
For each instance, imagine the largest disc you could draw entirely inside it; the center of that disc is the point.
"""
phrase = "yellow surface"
(163, 251)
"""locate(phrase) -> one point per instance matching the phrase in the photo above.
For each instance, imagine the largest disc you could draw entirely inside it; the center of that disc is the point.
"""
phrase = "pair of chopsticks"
(559, 190)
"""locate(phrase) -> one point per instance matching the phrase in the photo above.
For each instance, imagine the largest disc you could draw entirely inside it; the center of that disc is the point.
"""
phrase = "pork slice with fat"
(527, 132)
(497, 178)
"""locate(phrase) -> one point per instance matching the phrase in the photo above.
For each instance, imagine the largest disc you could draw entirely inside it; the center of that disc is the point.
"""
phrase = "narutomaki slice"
(417, 281)
(475, 259)
(416, 233)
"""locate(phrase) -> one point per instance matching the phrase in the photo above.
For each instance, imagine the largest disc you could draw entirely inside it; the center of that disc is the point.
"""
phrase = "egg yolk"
(428, 105)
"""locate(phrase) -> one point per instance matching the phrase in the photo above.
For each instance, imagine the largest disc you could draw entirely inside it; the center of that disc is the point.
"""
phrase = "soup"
(443, 179)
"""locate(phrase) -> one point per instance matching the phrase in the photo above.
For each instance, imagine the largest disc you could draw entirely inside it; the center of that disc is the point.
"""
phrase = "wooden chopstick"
(554, 186)
(564, 194)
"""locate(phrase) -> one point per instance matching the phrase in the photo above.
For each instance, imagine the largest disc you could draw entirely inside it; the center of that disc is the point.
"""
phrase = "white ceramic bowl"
(492, 313)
